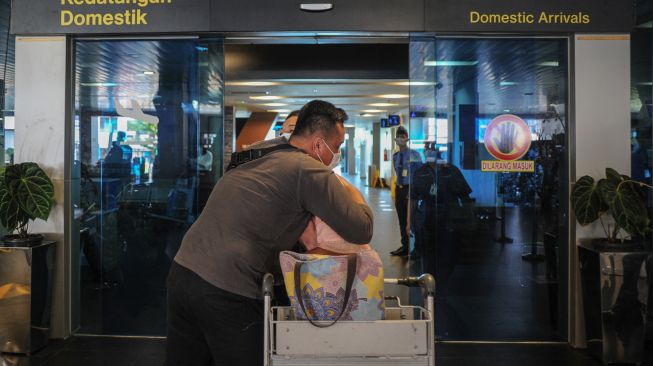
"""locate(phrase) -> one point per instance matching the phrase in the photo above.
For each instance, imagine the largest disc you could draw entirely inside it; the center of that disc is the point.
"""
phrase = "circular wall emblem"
(507, 137)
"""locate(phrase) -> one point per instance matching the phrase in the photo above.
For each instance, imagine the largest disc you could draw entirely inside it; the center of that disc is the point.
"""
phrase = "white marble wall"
(602, 130)
(40, 137)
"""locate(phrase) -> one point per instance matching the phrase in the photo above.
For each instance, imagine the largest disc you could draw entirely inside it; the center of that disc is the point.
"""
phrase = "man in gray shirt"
(255, 211)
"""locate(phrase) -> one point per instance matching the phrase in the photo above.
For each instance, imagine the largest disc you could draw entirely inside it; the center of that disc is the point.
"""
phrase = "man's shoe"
(398, 251)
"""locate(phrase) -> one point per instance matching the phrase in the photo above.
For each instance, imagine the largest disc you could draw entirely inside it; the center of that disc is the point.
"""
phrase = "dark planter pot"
(16, 241)
(615, 281)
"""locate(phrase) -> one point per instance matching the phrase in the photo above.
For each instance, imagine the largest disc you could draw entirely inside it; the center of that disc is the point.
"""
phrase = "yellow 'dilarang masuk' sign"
(123, 12)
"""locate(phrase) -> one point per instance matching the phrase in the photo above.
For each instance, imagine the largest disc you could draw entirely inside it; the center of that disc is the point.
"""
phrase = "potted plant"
(614, 268)
(26, 194)
(26, 260)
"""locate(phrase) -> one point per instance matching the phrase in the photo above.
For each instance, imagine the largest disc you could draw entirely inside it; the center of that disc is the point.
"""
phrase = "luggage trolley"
(404, 337)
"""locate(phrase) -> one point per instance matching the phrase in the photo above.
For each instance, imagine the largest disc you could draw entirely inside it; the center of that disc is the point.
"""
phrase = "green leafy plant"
(617, 195)
(26, 194)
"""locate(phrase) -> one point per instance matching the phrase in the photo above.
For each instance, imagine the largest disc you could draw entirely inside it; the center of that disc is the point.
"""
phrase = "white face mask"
(335, 161)
(286, 135)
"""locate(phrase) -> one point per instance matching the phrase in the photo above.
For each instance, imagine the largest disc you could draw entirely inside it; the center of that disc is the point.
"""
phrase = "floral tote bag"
(334, 287)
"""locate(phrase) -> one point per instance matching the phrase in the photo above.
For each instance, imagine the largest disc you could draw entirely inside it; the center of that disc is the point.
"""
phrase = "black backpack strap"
(246, 156)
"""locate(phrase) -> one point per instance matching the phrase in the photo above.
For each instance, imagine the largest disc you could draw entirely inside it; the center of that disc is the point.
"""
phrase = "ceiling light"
(508, 83)
(383, 104)
(251, 83)
(367, 115)
(265, 97)
(450, 63)
(373, 111)
(413, 83)
(549, 63)
(99, 84)
(275, 104)
(350, 126)
(393, 96)
(279, 110)
(148, 72)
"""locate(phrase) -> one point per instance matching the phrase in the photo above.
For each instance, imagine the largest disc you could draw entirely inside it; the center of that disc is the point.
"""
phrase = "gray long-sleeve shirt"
(261, 208)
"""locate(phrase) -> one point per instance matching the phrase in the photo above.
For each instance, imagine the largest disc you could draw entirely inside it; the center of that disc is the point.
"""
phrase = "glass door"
(147, 151)
(488, 205)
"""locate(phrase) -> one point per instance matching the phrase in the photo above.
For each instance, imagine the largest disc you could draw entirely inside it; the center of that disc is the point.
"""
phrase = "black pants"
(401, 205)
(210, 326)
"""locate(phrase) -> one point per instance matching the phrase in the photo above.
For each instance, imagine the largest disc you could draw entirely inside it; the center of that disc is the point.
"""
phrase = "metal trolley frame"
(404, 337)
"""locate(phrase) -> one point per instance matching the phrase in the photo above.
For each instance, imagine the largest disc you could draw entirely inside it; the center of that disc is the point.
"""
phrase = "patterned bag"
(334, 287)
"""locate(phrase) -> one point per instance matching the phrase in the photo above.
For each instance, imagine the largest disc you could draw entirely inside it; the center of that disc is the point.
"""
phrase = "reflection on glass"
(495, 240)
(144, 159)
(641, 105)
(7, 73)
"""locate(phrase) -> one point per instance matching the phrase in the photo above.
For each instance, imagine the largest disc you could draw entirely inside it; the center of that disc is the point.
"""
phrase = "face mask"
(335, 160)
(286, 135)
(401, 141)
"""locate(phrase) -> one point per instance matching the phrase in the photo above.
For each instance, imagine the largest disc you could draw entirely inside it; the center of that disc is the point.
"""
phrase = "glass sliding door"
(147, 127)
(488, 206)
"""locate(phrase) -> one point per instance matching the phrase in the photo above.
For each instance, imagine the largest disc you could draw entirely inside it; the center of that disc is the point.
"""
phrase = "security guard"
(438, 190)
(405, 162)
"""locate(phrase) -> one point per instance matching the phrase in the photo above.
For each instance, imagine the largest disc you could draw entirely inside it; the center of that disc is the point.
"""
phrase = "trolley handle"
(268, 285)
(425, 281)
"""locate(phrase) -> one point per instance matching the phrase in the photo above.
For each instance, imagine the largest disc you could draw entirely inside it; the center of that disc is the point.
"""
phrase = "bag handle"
(351, 274)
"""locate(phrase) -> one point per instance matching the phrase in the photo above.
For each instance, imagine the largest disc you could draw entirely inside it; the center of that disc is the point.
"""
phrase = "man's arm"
(338, 204)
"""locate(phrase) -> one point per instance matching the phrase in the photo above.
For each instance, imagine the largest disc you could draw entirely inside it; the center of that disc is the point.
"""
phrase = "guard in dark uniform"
(438, 189)
(405, 162)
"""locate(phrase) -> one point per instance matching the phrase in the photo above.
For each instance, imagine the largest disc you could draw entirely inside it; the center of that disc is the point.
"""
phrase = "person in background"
(405, 162)
(258, 209)
(205, 161)
(289, 125)
(438, 192)
(286, 131)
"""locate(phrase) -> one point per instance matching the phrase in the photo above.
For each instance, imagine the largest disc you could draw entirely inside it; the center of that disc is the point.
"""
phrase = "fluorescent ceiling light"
(393, 96)
(450, 63)
(367, 115)
(508, 83)
(99, 84)
(148, 72)
(251, 83)
(383, 104)
(413, 83)
(646, 84)
(275, 104)
(279, 110)
(373, 111)
(549, 63)
(349, 126)
(265, 97)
